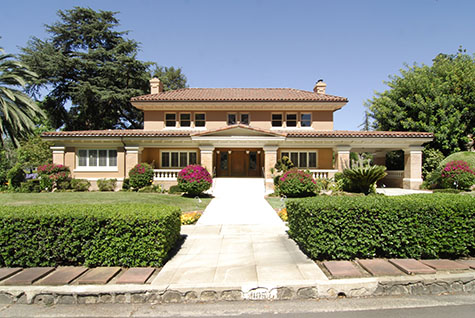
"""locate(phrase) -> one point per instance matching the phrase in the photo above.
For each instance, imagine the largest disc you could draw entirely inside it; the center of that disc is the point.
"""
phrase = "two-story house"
(233, 132)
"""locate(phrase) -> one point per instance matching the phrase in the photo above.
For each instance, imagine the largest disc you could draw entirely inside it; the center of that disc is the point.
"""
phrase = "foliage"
(80, 185)
(431, 159)
(140, 176)
(439, 98)
(297, 183)
(30, 186)
(411, 226)
(18, 111)
(188, 218)
(89, 65)
(458, 175)
(283, 214)
(106, 184)
(34, 152)
(395, 160)
(153, 188)
(362, 177)
(434, 179)
(172, 78)
(51, 175)
(91, 235)
(284, 164)
(15, 176)
(126, 184)
(194, 179)
(175, 189)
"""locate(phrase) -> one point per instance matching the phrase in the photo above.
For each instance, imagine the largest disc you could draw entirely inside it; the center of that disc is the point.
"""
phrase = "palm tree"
(18, 111)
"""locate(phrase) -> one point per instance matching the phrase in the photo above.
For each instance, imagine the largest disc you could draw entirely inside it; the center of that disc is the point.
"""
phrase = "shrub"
(91, 235)
(194, 179)
(283, 214)
(457, 175)
(140, 176)
(51, 175)
(431, 159)
(362, 177)
(175, 189)
(412, 226)
(80, 185)
(297, 183)
(106, 184)
(467, 156)
(63, 184)
(284, 164)
(126, 184)
(30, 186)
(16, 176)
(153, 188)
(188, 218)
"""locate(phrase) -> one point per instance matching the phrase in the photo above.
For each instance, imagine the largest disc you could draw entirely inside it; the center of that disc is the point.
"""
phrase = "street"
(459, 306)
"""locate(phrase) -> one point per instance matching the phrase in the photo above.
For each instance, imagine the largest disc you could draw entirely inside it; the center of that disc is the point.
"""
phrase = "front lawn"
(184, 203)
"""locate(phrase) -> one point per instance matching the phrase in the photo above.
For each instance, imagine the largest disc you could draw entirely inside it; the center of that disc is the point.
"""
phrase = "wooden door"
(238, 164)
(222, 164)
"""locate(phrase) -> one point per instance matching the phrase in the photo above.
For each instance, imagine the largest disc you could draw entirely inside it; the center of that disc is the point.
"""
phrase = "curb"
(434, 284)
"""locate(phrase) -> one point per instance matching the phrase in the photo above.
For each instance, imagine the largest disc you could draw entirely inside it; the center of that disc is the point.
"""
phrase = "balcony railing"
(165, 174)
(322, 173)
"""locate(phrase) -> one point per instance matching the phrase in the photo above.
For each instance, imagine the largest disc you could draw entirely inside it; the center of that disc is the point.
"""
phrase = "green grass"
(186, 204)
(275, 202)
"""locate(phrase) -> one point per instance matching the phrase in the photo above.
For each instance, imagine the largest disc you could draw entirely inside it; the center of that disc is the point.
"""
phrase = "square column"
(412, 168)
(342, 158)
(270, 159)
(133, 156)
(58, 154)
(206, 155)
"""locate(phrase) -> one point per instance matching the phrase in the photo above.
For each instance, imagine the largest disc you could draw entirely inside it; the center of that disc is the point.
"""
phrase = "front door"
(238, 162)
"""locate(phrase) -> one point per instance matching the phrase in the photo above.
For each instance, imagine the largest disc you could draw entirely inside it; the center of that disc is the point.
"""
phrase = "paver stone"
(28, 276)
(8, 271)
(444, 264)
(62, 276)
(411, 266)
(469, 262)
(99, 275)
(379, 267)
(137, 275)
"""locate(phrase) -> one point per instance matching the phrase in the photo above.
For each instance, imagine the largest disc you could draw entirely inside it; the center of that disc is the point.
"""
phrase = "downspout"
(125, 158)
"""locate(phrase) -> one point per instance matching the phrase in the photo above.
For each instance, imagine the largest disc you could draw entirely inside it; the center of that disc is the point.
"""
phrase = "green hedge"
(92, 235)
(415, 226)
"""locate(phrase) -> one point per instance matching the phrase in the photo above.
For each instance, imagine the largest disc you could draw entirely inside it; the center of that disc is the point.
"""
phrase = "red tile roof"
(359, 134)
(207, 132)
(117, 133)
(239, 95)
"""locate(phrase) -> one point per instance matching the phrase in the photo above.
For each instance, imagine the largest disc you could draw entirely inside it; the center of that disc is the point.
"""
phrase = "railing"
(395, 174)
(322, 173)
(165, 174)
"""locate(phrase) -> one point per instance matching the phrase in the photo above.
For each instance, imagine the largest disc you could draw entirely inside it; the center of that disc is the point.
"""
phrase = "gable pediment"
(239, 131)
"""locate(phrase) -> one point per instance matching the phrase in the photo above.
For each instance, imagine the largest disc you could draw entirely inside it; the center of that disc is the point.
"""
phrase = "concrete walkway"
(238, 242)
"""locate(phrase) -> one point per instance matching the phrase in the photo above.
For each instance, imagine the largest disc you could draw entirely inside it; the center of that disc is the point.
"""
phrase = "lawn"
(186, 204)
(275, 202)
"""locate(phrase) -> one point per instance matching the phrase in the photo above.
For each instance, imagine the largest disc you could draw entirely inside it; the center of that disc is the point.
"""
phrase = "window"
(103, 158)
(301, 159)
(245, 119)
(178, 159)
(232, 119)
(200, 120)
(306, 120)
(276, 120)
(185, 120)
(291, 120)
(170, 120)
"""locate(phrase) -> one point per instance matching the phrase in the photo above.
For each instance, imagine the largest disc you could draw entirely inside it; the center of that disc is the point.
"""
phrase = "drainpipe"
(125, 158)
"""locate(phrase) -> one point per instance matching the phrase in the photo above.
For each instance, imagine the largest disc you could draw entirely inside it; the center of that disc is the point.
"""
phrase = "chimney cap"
(320, 87)
(320, 80)
(156, 86)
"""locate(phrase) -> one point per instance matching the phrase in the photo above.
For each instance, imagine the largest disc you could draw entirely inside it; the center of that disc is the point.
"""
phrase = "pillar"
(270, 159)
(58, 154)
(132, 157)
(206, 155)
(342, 158)
(412, 168)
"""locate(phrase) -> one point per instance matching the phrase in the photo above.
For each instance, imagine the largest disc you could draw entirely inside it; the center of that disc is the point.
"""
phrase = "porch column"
(206, 154)
(270, 159)
(412, 168)
(342, 158)
(133, 156)
(58, 154)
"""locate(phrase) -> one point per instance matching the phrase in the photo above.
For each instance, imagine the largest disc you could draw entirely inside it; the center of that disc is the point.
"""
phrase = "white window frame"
(300, 120)
(296, 120)
(282, 120)
(191, 120)
(299, 151)
(248, 118)
(165, 120)
(236, 121)
(179, 151)
(194, 120)
(97, 168)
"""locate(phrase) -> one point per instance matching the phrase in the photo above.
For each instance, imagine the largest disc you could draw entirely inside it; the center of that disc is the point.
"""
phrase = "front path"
(238, 242)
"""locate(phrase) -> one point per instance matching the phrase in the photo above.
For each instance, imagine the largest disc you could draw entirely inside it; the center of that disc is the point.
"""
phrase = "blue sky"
(353, 45)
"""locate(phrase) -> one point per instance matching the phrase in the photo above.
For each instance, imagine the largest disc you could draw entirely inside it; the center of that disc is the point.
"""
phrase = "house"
(234, 132)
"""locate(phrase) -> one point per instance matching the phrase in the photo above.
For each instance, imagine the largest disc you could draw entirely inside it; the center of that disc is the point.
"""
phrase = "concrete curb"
(436, 284)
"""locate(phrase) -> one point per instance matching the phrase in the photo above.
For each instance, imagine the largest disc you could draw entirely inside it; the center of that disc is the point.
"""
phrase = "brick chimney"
(320, 87)
(156, 86)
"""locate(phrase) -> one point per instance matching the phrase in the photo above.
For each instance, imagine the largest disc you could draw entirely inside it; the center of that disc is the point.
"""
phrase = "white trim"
(95, 179)
(412, 180)
(96, 169)
(58, 149)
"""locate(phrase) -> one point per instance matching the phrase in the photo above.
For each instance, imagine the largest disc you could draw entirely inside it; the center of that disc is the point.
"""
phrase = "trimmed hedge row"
(91, 235)
(415, 226)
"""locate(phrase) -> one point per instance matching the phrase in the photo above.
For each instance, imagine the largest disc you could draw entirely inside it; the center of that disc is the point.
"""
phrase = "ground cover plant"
(414, 226)
(91, 235)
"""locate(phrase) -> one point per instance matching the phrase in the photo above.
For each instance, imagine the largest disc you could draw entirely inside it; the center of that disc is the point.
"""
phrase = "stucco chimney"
(156, 86)
(320, 87)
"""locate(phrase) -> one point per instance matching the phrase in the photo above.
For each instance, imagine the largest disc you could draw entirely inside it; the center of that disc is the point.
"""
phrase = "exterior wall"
(321, 120)
(70, 161)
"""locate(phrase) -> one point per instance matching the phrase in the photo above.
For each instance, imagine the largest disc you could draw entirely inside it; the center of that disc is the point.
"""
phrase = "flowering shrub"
(283, 214)
(190, 217)
(458, 175)
(140, 176)
(51, 175)
(297, 183)
(194, 179)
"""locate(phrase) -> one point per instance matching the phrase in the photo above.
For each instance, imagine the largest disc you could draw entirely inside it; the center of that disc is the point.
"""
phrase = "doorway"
(236, 162)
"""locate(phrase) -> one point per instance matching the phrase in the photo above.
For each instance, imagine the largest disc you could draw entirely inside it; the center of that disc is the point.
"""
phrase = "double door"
(238, 162)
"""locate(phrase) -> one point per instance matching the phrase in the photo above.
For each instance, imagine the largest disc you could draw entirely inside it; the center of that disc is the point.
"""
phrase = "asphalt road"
(459, 306)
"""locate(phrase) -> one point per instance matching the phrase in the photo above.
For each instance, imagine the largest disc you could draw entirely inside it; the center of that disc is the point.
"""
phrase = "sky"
(354, 46)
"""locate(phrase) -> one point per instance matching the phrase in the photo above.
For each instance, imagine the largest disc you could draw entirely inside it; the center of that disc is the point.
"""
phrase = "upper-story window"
(200, 120)
(276, 120)
(232, 118)
(305, 120)
(97, 158)
(291, 120)
(244, 119)
(185, 120)
(170, 120)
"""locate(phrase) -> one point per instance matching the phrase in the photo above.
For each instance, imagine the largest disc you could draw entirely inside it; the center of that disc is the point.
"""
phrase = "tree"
(18, 111)
(90, 71)
(172, 78)
(438, 98)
